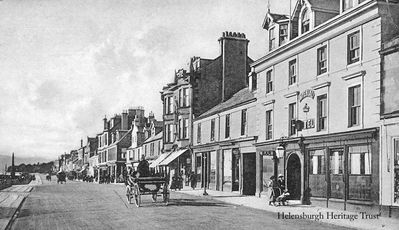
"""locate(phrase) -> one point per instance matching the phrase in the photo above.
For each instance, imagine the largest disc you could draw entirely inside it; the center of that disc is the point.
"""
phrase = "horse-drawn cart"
(154, 186)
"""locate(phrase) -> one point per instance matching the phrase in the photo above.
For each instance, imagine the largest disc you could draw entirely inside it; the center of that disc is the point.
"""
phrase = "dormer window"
(283, 34)
(305, 23)
(272, 39)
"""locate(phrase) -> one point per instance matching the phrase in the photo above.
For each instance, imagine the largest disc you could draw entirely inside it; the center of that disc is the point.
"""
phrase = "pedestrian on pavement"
(193, 180)
(281, 182)
(272, 185)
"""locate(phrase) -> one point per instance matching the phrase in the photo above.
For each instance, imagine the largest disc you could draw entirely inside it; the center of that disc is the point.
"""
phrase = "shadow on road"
(190, 202)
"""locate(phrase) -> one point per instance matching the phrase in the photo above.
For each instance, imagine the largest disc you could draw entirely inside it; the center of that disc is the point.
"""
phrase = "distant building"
(113, 143)
(91, 156)
(142, 129)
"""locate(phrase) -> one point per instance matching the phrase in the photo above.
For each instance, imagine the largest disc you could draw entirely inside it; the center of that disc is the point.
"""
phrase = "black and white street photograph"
(199, 114)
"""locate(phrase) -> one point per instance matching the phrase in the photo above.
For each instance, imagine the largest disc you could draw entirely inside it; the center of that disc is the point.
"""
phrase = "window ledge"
(353, 64)
(293, 85)
(323, 74)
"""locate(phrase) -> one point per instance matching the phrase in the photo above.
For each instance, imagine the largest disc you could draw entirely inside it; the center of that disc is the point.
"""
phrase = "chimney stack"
(151, 117)
(124, 121)
(105, 123)
(235, 66)
(81, 143)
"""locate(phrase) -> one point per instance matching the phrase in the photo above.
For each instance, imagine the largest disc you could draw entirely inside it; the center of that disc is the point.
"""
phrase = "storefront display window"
(227, 173)
(213, 169)
(336, 162)
(359, 170)
(359, 160)
(198, 167)
(317, 162)
(396, 170)
(317, 171)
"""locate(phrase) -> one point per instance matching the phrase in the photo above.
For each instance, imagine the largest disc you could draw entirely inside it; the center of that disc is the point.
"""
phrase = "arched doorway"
(294, 177)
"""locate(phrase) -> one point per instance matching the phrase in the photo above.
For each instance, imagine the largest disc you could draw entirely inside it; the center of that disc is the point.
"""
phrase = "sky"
(64, 65)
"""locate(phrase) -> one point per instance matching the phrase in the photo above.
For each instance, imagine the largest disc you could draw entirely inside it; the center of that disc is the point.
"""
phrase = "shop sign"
(307, 93)
(309, 124)
(267, 153)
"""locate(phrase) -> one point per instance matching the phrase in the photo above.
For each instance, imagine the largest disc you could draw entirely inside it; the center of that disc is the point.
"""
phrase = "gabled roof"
(242, 96)
(126, 135)
(278, 17)
(155, 137)
(272, 17)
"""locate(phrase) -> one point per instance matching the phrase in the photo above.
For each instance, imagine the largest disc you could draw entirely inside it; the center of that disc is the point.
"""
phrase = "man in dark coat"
(144, 167)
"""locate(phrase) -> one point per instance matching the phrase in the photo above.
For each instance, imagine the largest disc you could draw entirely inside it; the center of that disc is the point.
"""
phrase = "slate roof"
(325, 4)
(156, 137)
(240, 97)
(278, 17)
(158, 123)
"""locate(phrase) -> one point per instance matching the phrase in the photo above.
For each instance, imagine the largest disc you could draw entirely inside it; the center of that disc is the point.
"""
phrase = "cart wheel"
(154, 197)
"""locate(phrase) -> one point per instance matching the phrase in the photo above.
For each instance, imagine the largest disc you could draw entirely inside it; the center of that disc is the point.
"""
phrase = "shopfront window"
(198, 166)
(359, 160)
(336, 162)
(227, 172)
(212, 176)
(317, 162)
(359, 170)
(396, 169)
(317, 171)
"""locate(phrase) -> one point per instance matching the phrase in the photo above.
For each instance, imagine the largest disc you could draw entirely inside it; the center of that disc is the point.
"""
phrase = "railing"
(8, 182)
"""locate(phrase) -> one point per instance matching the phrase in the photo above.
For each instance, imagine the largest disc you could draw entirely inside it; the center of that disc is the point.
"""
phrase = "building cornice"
(225, 142)
(334, 22)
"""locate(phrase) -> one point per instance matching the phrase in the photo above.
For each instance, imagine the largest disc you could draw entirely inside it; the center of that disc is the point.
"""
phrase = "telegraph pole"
(12, 167)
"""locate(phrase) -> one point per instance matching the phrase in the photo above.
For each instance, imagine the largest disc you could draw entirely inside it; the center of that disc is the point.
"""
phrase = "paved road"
(78, 205)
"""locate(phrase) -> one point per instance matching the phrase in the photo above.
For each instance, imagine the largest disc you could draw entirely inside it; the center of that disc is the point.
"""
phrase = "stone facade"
(318, 98)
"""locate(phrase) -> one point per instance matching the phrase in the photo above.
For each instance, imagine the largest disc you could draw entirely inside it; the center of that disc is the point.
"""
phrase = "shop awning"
(172, 156)
(84, 167)
(158, 160)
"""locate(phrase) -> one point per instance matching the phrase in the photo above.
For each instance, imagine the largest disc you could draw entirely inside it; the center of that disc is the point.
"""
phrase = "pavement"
(11, 200)
(341, 218)
(80, 205)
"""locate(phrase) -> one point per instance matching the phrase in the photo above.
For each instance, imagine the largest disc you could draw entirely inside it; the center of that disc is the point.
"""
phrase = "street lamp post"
(204, 175)
(279, 153)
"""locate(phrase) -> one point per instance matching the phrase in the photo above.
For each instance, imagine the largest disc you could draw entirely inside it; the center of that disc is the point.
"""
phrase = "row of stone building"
(321, 108)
